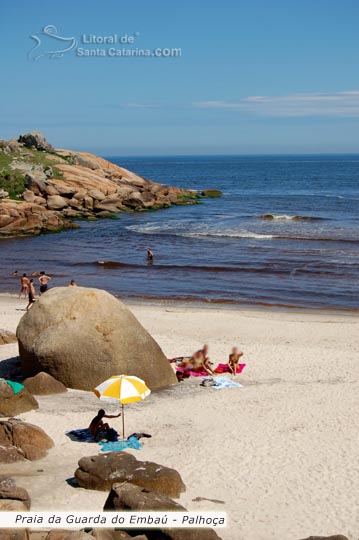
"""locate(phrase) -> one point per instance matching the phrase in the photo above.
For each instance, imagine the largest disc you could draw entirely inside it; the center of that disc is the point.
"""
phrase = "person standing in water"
(44, 281)
(149, 256)
(24, 286)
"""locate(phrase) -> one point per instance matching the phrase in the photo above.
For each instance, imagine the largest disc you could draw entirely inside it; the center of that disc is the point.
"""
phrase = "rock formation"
(20, 440)
(7, 337)
(43, 384)
(125, 496)
(100, 472)
(82, 336)
(12, 404)
(13, 498)
(48, 188)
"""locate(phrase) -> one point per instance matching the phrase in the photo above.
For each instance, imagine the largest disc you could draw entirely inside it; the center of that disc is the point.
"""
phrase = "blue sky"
(253, 76)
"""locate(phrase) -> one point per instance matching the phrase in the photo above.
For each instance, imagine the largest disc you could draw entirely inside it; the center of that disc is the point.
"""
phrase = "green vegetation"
(12, 181)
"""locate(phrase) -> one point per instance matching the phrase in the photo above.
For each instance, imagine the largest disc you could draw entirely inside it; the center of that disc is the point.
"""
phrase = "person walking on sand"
(233, 360)
(149, 256)
(24, 286)
(44, 281)
(31, 294)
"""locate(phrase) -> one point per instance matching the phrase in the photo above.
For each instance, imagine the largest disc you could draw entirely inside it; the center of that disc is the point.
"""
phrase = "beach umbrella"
(124, 389)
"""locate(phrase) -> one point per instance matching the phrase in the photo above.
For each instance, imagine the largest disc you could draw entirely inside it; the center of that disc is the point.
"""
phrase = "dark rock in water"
(13, 404)
(13, 498)
(7, 337)
(35, 139)
(82, 336)
(125, 496)
(30, 441)
(212, 193)
(100, 472)
(43, 384)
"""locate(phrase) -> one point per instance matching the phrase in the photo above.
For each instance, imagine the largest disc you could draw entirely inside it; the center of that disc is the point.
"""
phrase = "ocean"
(284, 233)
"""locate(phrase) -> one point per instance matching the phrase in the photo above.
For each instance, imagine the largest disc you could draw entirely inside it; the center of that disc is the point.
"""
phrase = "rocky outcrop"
(82, 336)
(22, 441)
(7, 337)
(13, 498)
(29, 218)
(125, 496)
(43, 384)
(14, 534)
(102, 471)
(35, 139)
(12, 404)
(61, 185)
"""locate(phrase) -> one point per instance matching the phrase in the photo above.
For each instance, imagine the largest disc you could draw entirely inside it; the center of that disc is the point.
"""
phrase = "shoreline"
(222, 305)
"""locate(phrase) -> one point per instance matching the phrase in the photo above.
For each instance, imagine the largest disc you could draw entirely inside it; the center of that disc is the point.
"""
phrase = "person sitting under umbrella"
(100, 429)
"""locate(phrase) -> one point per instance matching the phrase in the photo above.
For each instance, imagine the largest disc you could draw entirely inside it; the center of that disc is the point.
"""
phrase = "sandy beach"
(280, 452)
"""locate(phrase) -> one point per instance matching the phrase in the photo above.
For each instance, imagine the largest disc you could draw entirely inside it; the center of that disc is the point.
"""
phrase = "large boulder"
(102, 471)
(82, 336)
(125, 497)
(35, 139)
(13, 498)
(14, 534)
(12, 404)
(29, 441)
(43, 384)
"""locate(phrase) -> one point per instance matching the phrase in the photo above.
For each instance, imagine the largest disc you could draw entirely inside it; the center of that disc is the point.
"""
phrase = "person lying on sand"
(98, 427)
(233, 360)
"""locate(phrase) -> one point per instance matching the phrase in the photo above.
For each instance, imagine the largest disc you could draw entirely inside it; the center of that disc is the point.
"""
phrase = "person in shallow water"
(98, 427)
(233, 360)
(44, 281)
(72, 283)
(149, 256)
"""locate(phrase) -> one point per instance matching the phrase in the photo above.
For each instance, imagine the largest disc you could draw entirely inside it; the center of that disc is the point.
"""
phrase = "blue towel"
(117, 446)
(225, 382)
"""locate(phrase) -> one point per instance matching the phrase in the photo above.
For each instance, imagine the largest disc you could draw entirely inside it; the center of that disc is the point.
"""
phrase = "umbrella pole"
(123, 421)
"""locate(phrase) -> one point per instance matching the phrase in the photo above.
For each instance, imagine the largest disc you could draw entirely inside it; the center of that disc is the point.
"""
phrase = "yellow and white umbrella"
(122, 388)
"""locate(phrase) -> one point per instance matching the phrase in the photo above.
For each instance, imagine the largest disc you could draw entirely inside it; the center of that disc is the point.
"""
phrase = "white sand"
(281, 452)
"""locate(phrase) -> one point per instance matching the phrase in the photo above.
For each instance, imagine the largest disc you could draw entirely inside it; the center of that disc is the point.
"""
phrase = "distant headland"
(46, 189)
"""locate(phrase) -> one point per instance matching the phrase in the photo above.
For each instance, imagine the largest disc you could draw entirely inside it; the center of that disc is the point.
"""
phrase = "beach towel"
(191, 372)
(116, 446)
(223, 368)
(81, 435)
(224, 382)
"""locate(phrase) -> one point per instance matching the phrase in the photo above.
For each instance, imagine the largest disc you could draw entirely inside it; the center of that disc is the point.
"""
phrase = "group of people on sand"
(27, 285)
(200, 362)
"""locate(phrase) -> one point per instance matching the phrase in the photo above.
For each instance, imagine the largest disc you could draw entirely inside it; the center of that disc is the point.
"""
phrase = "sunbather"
(100, 428)
(233, 360)
(201, 361)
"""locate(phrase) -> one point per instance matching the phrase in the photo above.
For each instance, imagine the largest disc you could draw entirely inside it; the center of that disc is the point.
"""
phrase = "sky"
(229, 77)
